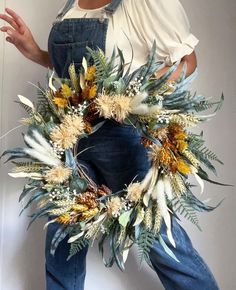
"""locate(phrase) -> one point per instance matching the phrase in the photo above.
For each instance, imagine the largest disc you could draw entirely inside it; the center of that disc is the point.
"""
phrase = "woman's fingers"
(19, 21)
(10, 20)
(9, 39)
(11, 32)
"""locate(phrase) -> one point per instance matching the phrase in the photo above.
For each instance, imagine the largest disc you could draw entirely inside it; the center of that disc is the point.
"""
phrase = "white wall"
(22, 253)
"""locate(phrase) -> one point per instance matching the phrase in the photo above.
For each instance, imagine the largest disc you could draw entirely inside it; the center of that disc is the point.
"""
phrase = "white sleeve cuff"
(180, 50)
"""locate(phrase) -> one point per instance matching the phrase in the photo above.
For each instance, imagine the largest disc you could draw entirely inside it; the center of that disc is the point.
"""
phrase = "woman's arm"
(20, 35)
(191, 61)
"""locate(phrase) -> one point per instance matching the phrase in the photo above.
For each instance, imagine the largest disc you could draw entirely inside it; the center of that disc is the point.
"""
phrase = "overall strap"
(111, 8)
(65, 9)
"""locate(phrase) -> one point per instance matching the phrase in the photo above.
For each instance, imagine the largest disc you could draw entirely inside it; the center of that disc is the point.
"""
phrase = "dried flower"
(104, 105)
(74, 121)
(181, 145)
(64, 219)
(60, 102)
(114, 206)
(92, 92)
(90, 74)
(183, 167)
(154, 153)
(134, 191)
(66, 91)
(161, 133)
(121, 108)
(89, 213)
(117, 107)
(64, 138)
(57, 174)
(79, 207)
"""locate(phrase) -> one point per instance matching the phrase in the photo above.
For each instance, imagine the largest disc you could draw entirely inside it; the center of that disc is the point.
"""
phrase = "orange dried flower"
(90, 74)
(64, 219)
(60, 102)
(181, 145)
(66, 91)
(92, 92)
(183, 167)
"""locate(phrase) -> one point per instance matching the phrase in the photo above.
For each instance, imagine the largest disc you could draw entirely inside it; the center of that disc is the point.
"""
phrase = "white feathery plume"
(42, 141)
(136, 104)
(138, 99)
(35, 145)
(154, 109)
(168, 187)
(152, 183)
(161, 200)
(49, 160)
(32, 175)
(141, 109)
(146, 180)
(198, 178)
(42, 150)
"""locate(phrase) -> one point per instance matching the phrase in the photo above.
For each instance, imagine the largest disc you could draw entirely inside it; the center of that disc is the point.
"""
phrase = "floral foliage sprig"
(86, 211)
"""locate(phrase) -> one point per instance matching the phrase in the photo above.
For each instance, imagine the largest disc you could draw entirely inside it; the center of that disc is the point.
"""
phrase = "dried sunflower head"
(134, 192)
(66, 91)
(90, 74)
(61, 102)
(57, 174)
(104, 106)
(64, 137)
(114, 206)
(121, 107)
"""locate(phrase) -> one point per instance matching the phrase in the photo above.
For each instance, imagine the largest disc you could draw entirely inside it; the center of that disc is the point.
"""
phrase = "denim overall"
(116, 157)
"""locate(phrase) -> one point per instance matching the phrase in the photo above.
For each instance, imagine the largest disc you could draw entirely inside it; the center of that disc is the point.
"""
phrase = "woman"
(104, 24)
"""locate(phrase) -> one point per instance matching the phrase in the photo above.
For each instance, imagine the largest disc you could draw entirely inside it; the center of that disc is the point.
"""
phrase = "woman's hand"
(20, 35)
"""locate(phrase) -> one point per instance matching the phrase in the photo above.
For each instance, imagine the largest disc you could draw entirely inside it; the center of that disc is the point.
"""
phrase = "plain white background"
(22, 252)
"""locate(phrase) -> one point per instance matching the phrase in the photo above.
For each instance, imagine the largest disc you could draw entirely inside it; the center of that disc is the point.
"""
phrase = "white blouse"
(140, 22)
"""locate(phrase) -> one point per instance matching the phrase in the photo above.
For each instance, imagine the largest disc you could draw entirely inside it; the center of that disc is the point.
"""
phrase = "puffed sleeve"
(166, 22)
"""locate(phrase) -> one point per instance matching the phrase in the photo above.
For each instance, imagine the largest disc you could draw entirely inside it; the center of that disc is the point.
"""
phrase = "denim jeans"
(115, 158)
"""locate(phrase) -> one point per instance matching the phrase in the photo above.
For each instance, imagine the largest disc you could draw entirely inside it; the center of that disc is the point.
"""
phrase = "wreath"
(57, 183)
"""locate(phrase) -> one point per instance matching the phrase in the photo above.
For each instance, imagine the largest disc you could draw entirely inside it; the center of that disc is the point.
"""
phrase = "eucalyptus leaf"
(124, 218)
(167, 249)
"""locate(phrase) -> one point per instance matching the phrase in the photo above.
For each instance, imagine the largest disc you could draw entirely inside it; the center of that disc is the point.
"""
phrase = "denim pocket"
(63, 54)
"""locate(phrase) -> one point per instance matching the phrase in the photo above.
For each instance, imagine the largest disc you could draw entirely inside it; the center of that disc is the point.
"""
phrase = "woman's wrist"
(41, 57)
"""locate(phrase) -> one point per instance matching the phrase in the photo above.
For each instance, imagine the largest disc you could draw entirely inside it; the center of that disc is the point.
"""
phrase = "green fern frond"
(25, 107)
(76, 246)
(145, 242)
(103, 67)
(181, 206)
(206, 105)
(45, 105)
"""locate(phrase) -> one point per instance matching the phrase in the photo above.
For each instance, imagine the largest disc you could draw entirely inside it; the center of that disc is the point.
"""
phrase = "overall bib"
(116, 157)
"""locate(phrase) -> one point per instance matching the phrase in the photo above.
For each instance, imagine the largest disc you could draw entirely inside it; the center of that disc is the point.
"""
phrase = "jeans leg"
(62, 274)
(190, 273)
(119, 157)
